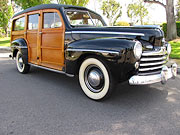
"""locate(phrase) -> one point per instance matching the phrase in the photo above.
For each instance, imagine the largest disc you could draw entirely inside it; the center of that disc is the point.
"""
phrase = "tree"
(112, 10)
(171, 23)
(24, 4)
(6, 13)
(74, 2)
(137, 11)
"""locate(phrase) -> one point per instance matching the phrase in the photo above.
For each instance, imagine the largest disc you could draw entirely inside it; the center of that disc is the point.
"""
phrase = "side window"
(19, 24)
(51, 20)
(33, 22)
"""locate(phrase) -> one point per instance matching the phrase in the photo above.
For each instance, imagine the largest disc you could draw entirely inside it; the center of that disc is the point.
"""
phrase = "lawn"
(175, 53)
(5, 41)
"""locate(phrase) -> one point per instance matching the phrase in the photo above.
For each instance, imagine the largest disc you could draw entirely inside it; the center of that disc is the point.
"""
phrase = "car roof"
(50, 6)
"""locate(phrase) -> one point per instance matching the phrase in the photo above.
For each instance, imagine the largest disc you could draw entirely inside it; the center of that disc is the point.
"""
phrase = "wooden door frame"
(35, 31)
(54, 30)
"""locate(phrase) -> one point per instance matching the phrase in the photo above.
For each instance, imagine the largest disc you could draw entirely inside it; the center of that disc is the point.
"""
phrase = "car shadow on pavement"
(122, 94)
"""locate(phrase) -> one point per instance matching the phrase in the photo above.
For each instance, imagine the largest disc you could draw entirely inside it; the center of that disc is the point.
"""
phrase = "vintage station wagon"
(76, 41)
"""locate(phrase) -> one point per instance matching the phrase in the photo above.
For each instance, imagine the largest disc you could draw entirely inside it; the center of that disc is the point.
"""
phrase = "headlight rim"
(135, 50)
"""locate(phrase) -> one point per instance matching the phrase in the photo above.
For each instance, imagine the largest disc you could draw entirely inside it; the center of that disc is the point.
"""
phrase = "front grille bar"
(162, 52)
(151, 68)
(152, 61)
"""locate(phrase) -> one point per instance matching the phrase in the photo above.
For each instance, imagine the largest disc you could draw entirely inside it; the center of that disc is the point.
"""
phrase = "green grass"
(5, 41)
(175, 53)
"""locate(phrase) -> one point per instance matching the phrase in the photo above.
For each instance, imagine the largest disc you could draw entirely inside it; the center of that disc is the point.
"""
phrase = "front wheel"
(21, 66)
(95, 79)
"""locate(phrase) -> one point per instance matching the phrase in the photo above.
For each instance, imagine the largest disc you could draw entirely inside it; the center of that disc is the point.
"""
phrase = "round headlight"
(168, 48)
(137, 50)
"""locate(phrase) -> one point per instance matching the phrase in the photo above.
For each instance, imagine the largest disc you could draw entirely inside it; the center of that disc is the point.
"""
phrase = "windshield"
(78, 18)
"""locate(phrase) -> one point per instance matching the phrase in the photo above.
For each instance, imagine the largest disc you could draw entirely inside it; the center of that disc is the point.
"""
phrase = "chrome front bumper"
(165, 74)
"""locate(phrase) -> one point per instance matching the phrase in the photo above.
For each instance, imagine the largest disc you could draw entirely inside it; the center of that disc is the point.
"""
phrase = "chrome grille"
(152, 61)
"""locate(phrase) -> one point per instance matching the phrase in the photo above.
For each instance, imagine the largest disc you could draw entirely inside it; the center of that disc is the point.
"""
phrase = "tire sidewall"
(21, 70)
(105, 89)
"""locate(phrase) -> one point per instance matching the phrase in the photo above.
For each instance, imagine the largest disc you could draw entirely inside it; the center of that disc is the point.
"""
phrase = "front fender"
(117, 52)
(20, 45)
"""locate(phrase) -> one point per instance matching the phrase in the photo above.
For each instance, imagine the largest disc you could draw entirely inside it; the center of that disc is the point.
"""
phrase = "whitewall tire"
(95, 79)
(21, 66)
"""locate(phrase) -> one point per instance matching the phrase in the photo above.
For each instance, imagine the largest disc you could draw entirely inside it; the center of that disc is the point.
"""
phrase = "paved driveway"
(47, 103)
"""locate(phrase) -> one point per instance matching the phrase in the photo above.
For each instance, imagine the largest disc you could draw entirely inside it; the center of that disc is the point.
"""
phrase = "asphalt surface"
(48, 103)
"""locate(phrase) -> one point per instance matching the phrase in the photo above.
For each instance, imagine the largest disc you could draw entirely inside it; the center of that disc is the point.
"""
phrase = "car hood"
(148, 35)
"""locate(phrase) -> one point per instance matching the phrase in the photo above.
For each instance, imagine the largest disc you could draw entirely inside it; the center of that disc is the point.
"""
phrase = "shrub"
(164, 28)
(122, 23)
(178, 28)
(2, 32)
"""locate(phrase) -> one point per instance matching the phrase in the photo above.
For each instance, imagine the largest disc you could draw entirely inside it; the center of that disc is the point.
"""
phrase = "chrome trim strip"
(50, 69)
(106, 32)
(152, 64)
(152, 68)
(154, 59)
(19, 46)
(68, 32)
(162, 51)
(93, 50)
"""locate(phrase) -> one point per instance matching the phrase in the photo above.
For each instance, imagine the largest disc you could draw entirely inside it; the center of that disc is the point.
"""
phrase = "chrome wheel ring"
(19, 62)
(94, 78)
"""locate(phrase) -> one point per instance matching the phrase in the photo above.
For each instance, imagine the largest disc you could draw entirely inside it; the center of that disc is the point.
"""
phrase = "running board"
(50, 69)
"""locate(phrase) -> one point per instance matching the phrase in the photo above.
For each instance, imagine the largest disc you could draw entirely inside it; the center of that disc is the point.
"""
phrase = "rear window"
(19, 24)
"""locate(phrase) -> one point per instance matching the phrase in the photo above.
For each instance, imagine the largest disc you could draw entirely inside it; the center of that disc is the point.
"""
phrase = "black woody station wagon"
(76, 41)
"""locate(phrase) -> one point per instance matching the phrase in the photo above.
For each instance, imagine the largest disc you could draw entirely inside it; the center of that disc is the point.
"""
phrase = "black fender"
(116, 52)
(20, 45)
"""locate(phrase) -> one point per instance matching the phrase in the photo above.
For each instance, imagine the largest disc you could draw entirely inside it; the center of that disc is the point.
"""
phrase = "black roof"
(48, 6)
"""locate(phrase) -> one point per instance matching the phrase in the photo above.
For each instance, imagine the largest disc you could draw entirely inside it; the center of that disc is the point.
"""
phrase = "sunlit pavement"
(47, 103)
(4, 55)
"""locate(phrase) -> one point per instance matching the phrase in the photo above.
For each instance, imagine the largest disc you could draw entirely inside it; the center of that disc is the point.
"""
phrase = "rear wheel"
(22, 68)
(95, 79)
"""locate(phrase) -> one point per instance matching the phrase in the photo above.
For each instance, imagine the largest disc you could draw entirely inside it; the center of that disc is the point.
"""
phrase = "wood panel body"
(52, 44)
(45, 45)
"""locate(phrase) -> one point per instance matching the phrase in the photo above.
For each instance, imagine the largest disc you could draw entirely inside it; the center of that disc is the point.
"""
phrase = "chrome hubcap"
(94, 78)
(20, 62)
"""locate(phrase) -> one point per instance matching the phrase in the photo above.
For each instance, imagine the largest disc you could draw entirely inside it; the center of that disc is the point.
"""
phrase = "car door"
(32, 37)
(52, 33)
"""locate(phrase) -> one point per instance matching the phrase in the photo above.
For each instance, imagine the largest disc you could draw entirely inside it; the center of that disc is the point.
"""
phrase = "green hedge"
(122, 23)
(164, 27)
